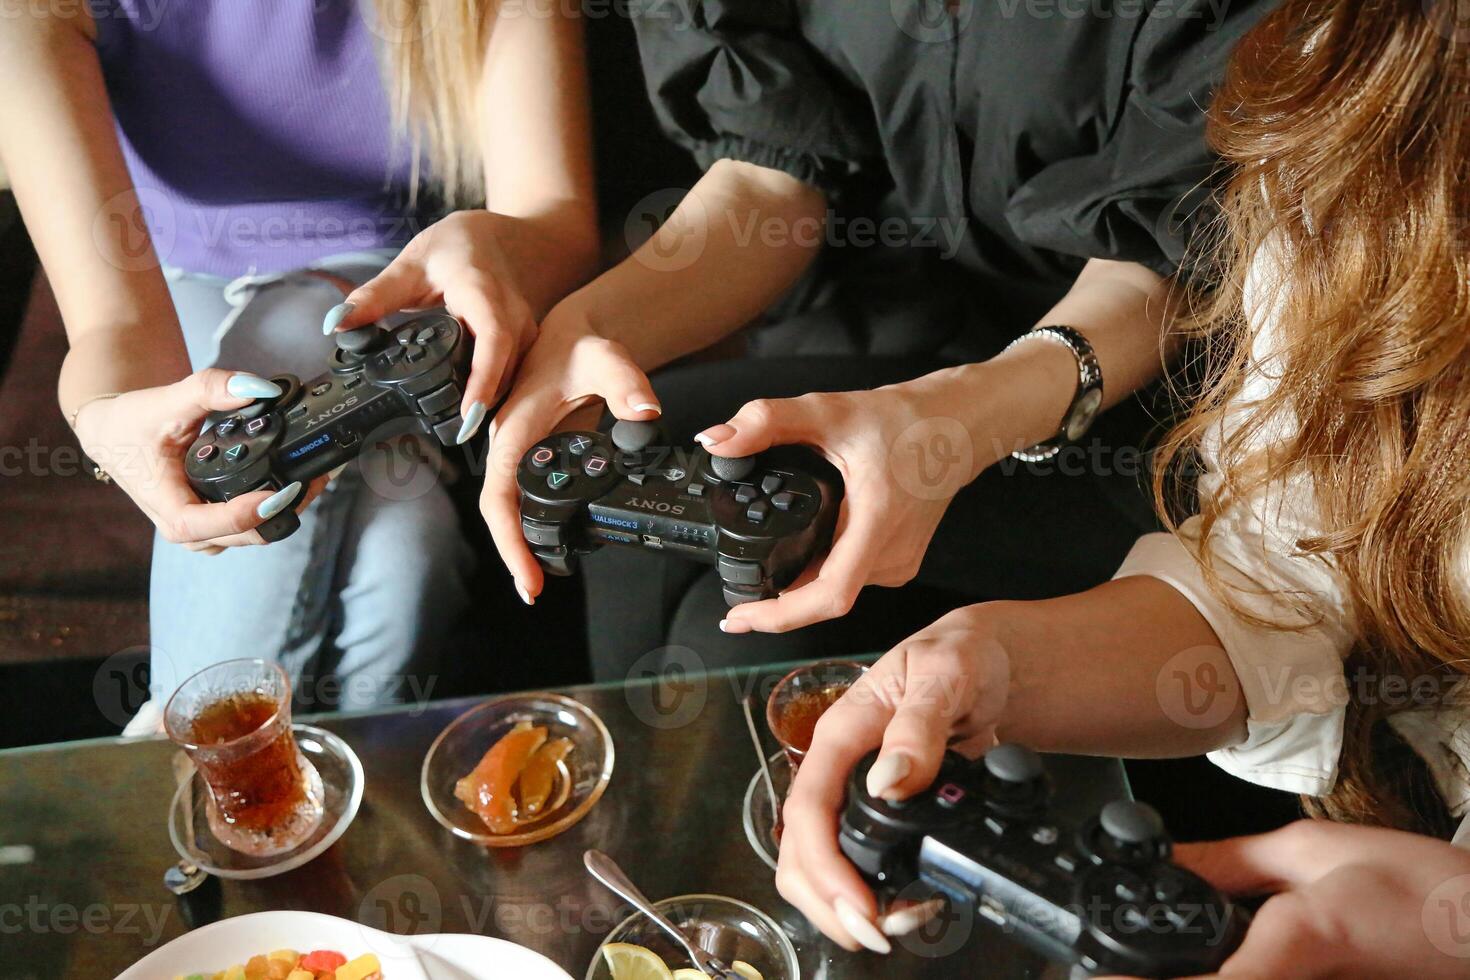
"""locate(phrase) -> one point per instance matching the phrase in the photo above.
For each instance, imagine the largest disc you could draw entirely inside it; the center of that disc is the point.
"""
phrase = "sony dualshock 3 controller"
(379, 383)
(758, 520)
(1102, 895)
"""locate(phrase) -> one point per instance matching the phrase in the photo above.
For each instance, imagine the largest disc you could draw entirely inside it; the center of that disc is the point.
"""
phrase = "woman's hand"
(947, 682)
(569, 369)
(903, 454)
(458, 263)
(139, 440)
(1346, 901)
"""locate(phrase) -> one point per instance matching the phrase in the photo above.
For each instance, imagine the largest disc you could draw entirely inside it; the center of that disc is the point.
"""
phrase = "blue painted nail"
(335, 316)
(249, 386)
(278, 501)
(472, 420)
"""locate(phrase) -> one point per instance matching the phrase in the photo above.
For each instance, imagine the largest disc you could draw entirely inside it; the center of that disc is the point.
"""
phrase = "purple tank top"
(257, 131)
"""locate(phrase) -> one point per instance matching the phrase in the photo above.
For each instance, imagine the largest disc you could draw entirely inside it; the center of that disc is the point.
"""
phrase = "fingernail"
(278, 501)
(646, 407)
(249, 386)
(526, 596)
(734, 626)
(336, 472)
(906, 920)
(887, 773)
(860, 928)
(472, 420)
(715, 434)
(335, 316)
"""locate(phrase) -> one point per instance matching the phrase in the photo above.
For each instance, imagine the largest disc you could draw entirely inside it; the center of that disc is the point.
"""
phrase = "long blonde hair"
(1347, 130)
(434, 57)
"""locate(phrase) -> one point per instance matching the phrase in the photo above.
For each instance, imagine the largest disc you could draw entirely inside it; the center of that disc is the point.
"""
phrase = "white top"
(1293, 680)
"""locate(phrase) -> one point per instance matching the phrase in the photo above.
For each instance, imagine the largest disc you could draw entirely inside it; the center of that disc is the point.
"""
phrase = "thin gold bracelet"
(76, 412)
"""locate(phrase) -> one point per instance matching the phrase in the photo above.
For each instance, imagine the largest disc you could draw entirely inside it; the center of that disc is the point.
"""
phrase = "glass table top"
(84, 844)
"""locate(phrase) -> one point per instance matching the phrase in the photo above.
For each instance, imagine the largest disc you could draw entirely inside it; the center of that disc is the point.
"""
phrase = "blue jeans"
(356, 605)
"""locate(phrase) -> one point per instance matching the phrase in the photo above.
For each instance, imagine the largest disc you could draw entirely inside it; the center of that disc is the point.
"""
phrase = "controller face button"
(542, 457)
(757, 512)
(1170, 886)
(771, 483)
(995, 826)
(439, 400)
(258, 425)
(595, 466)
(736, 572)
(236, 453)
(226, 426)
(579, 445)
(559, 480)
(321, 389)
(951, 795)
(745, 493)
(206, 452)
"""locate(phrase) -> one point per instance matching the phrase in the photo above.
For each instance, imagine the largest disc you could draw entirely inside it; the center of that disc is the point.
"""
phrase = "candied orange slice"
(540, 774)
(488, 789)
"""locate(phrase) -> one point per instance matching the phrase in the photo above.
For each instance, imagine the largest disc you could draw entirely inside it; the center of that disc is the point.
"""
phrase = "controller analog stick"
(1014, 764)
(634, 437)
(358, 341)
(731, 467)
(1129, 822)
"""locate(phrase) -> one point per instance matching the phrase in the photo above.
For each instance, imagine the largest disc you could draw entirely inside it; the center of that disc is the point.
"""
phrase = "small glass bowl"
(581, 781)
(730, 929)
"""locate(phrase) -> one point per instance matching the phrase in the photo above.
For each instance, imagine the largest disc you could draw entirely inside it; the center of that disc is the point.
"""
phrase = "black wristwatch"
(1086, 401)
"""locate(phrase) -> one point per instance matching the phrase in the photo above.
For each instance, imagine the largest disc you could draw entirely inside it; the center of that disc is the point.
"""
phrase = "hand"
(565, 373)
(139, 439)
(947, 682)
(880, 442)
(457, 263)
(1347, 901)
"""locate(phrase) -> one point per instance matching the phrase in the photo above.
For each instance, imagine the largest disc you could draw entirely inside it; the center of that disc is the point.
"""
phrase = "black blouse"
(1051, 131)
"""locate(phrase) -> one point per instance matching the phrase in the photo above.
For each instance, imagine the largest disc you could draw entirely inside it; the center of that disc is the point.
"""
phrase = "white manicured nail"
(887, 773)
(336, 472)
(278, 501)
(906, 920)
(704, 440)
(860, 928)
(647, 407)
(525, 595)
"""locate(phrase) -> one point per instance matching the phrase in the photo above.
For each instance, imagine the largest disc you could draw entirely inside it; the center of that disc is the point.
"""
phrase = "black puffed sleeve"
(734, 79)
(1146, 190)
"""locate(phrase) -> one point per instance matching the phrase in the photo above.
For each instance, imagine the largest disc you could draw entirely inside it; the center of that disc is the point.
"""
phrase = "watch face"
(1082, 414)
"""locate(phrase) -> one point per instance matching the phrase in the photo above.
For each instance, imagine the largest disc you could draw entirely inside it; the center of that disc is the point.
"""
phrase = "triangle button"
(558, 480)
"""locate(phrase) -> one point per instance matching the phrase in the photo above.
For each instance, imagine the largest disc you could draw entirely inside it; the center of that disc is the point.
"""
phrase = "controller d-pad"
(745, 493)
(785, 500)
(771, 483)
(559, 480)
(757, 512)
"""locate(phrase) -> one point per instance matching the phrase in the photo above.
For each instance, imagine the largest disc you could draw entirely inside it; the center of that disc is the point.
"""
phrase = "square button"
(595, 466)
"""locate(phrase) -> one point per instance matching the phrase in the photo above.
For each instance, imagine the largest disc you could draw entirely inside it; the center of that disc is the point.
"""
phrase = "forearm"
(712, 267)
(1106, 672)
(61, 152)
(550, 253)
(1018, 398)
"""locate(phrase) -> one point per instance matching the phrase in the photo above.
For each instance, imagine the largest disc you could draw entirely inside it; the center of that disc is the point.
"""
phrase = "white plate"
(447, 956)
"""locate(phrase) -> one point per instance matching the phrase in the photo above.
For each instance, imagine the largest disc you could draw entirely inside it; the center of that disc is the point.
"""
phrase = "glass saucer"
(760, 828)
(730, 929)
(342, 785)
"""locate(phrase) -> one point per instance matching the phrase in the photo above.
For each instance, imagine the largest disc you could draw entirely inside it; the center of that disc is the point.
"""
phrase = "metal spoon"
(185, 876)
(606, 870)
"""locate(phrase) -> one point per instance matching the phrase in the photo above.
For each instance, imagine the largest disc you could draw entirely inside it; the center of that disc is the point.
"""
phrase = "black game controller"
(1102, 896)
(379, 383)
(758, 521)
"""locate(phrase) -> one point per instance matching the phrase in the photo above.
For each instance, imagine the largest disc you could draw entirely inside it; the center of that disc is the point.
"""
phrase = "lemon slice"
(739, 966)
(629, 962)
